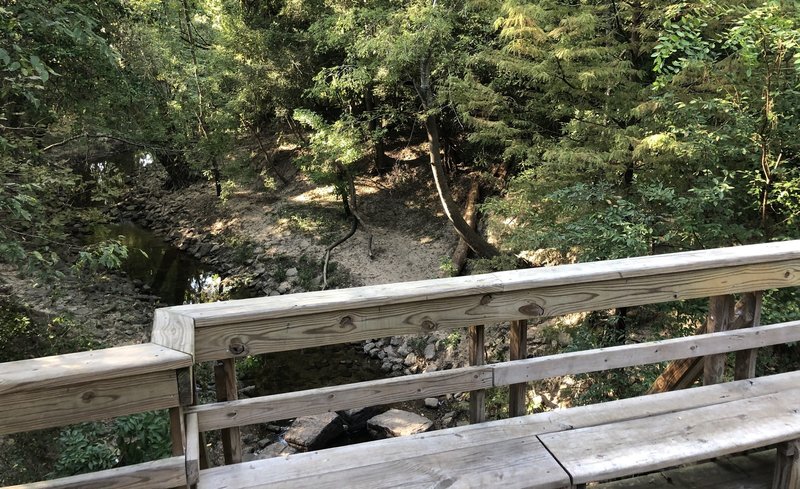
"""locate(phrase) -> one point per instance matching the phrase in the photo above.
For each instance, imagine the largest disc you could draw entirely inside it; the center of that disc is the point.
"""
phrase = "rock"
(387, 366)
(356, 419)
(284, 287)
(411, 359)
(313, 432)
(395, 422)
(431, 402)
(396, 340)
(291, 272)
(368, 346)
(277, 449)
(430, 351)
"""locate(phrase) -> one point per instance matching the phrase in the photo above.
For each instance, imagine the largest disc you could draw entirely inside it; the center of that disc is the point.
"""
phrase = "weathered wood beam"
(160, 474)
(229, 339)
(750, 311)
(787, 466)
(337, 398)
(517, 393)
(477, 358)
(720, 317)
(225, 381)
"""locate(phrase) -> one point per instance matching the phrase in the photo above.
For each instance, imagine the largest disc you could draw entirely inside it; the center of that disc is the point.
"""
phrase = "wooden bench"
(594, 442)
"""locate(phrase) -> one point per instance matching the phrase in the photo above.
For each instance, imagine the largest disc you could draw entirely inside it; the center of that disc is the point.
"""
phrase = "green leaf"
(40, 68)
(4, 56)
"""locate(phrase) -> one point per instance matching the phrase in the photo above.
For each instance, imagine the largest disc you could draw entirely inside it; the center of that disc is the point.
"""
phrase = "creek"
(177, 277)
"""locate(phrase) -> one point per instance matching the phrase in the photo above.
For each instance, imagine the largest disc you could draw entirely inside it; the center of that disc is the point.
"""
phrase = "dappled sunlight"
(315, 194)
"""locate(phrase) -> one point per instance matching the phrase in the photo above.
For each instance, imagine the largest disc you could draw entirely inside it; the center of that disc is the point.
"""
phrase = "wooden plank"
(224, 339)
(787, 466)
(83, 367)
(517, 393)
(327, 399)
(227, 390)
(192, 450)
(160, 474)
(643, 353)
(520, 463)
(750, 312)
(100, 399)
(720, 317)
(173, 330)
(258, 309)
(477, 358)
(657, 442)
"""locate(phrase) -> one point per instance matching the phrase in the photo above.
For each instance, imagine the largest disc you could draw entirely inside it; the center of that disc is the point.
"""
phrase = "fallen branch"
(330, 248)
(351, 204)
(113, 138)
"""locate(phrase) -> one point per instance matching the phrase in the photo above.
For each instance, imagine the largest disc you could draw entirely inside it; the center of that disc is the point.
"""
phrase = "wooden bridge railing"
(221, 332)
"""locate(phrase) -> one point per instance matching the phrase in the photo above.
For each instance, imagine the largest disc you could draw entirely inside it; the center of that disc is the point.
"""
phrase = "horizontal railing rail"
(251, 326)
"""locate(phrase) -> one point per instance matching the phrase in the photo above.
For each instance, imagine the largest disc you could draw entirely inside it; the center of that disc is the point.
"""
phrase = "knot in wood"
(428, 325)
(532, 310)
(346, 322)
(88, 396)
(236, 347)
(486, 299)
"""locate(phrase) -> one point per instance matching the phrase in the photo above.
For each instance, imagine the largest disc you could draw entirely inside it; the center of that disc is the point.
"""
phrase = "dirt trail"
(411, 238)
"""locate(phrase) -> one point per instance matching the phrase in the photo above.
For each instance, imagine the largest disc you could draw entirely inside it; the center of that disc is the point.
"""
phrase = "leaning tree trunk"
(475, 241)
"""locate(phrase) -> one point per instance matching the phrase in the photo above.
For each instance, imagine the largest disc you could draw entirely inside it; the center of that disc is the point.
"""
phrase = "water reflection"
(175, 276)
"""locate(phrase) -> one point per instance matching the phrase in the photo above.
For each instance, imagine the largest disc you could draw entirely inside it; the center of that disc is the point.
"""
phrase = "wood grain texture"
(242, 336)
(787, 466)
(83, 367)
(327, 399)
(192, 450)
(247, 310)
(100, 399)
(477, 358)
(689, 435)
(161, 474)
(173, 330)
(520, 463)
(177, 431)
(517, 393)
(227, 390)
(750, 311)
(720, 318)
(643, 353)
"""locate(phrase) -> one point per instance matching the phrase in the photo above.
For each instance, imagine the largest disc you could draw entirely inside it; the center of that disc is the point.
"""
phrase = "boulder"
(395, 422)
(314, 432)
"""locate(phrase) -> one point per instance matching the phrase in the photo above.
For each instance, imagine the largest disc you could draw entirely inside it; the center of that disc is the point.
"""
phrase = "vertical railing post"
(787, 466)
(720, 317)
(225, 379)
(177, 431)
(750, 314)
(477, 356)
(517, 393)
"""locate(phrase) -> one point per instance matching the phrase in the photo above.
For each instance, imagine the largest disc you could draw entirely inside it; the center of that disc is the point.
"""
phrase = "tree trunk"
(471, 216)
(475, 241)
(372, 125)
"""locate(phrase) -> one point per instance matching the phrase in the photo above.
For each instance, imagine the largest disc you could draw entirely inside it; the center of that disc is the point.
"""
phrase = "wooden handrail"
(252, 326)
(316, 401)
